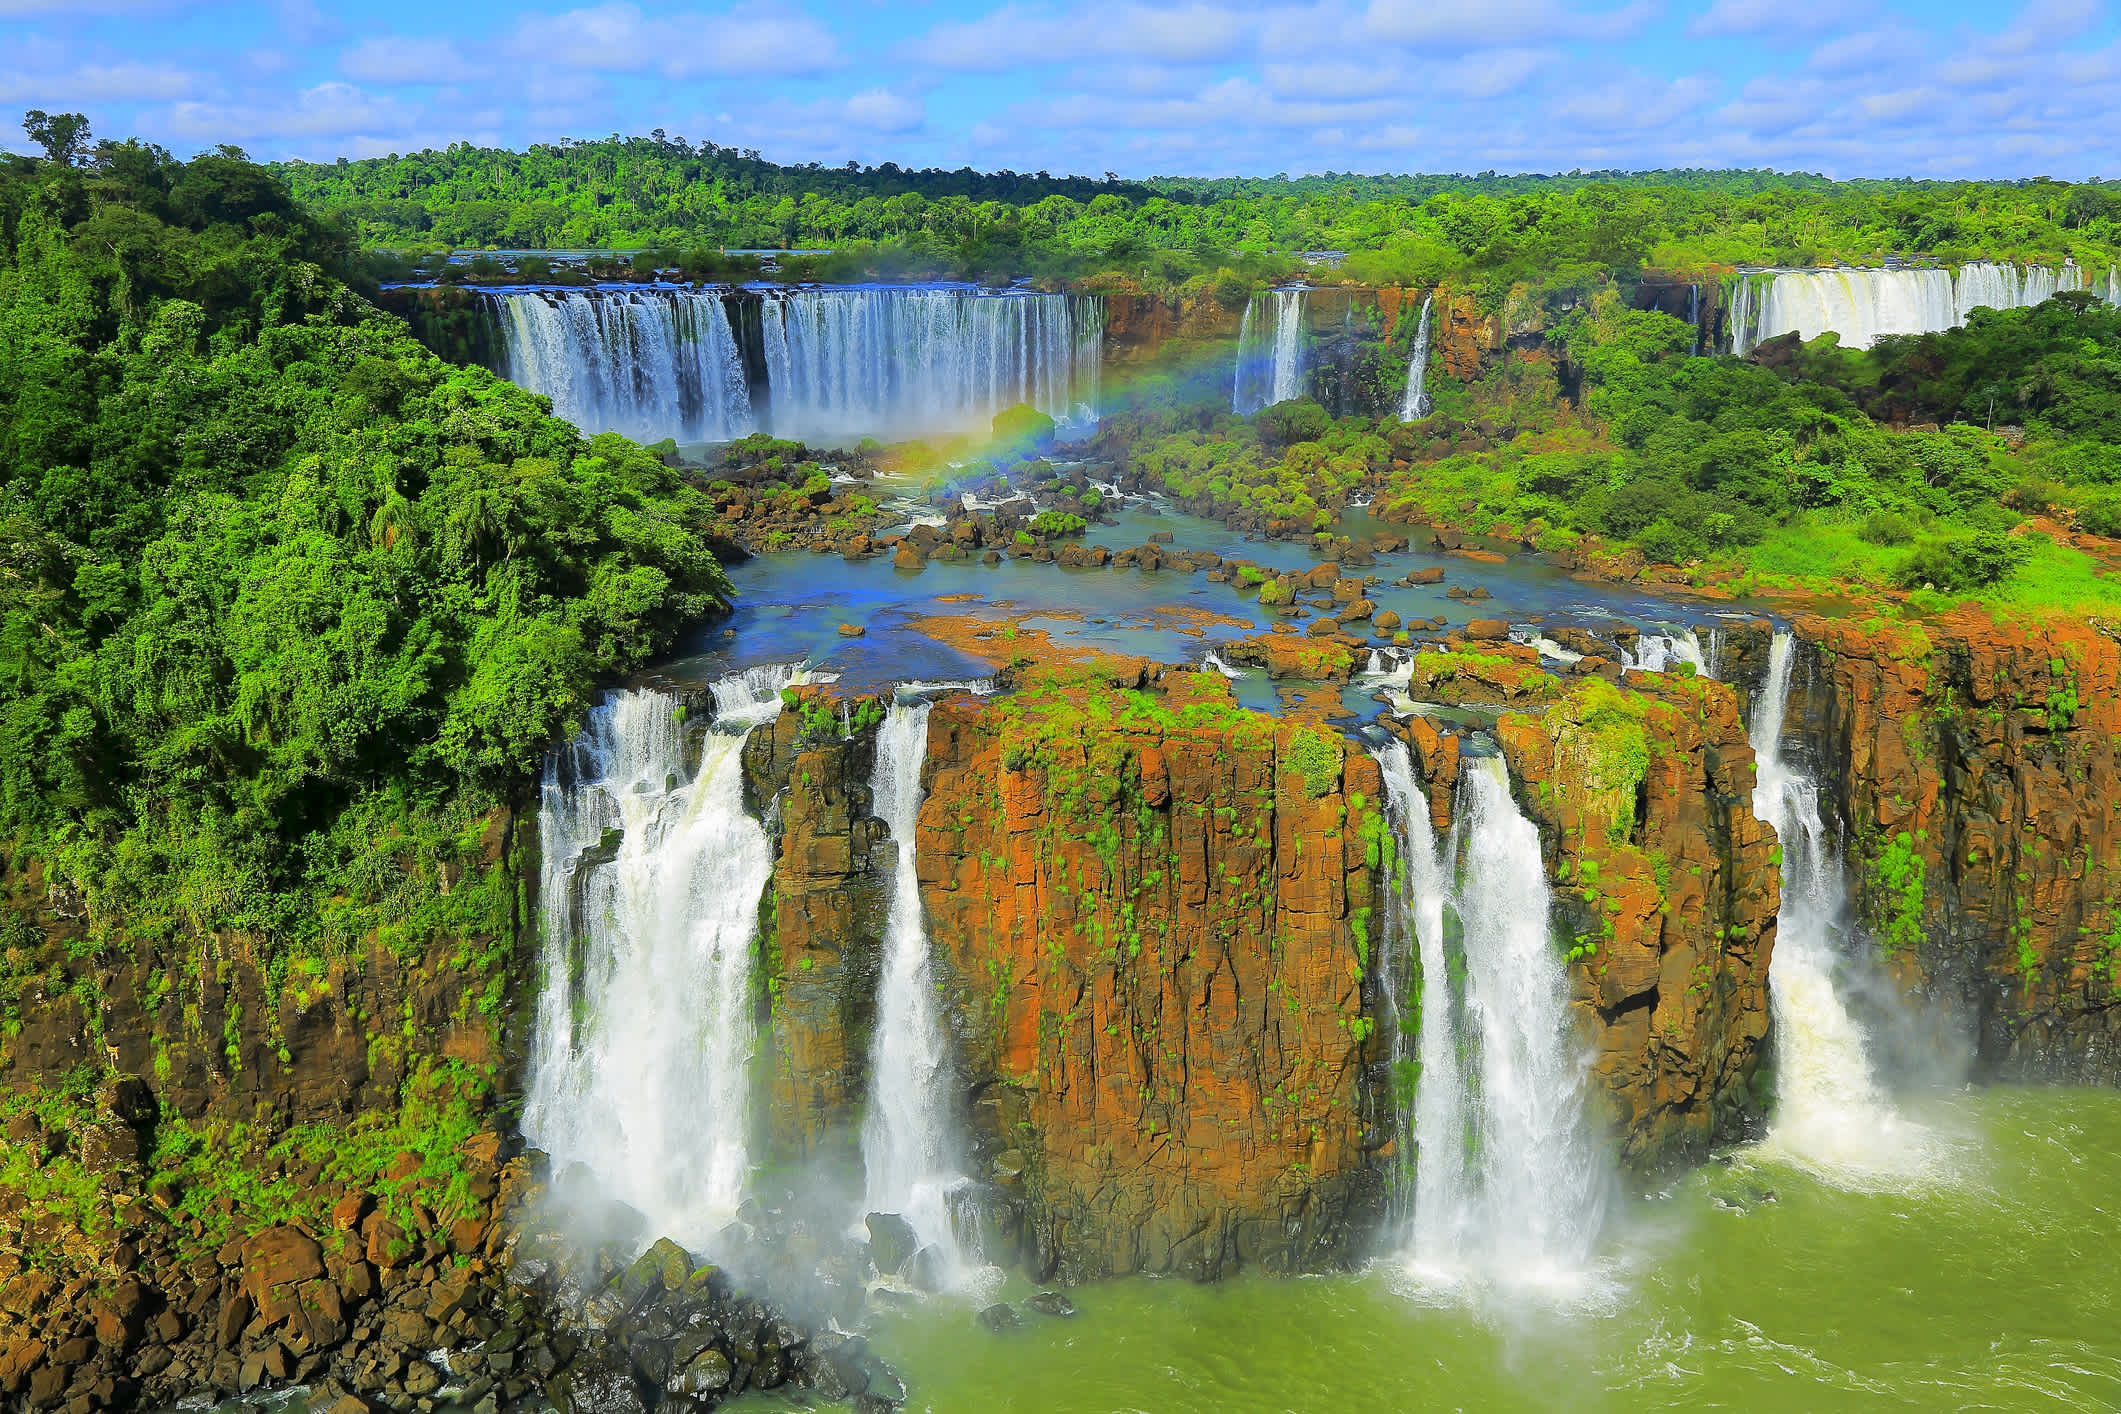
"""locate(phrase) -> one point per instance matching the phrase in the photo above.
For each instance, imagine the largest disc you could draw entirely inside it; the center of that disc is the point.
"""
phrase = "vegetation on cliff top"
(1486, 231)
(1941, 464)
(287, 604)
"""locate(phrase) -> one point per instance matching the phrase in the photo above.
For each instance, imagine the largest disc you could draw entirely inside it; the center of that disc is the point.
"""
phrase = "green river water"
(1991, 1286)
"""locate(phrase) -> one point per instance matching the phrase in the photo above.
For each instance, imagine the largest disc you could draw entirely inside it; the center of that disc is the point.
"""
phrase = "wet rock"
(1433, 574)
(926, 1271)
(1051, 1303)
(707, 1373)
(891, 1242)
(999, 1317)
(852, 630)
(1488, 631)
(908, 557)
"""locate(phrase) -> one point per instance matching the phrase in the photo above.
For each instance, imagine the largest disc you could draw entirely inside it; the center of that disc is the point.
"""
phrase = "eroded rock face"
(1975, 762)
(1152, 928)
(1667, 887)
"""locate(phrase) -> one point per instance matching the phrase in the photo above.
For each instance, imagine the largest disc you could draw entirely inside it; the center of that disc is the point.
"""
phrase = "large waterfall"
(897, 362)
(1864, 305)
(1830, 1114)
(648, 363)
(1416, 405)
(910, 1148)
(650, 888)
(1509, 1186)
(1270, 362)
(822, 365)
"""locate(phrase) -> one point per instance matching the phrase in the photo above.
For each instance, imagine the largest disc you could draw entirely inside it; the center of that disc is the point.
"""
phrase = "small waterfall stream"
(1509, 1186)
(646, 1023)
(1270, 365)
(1416, 404)
(1830, 1113)
(910, 1149)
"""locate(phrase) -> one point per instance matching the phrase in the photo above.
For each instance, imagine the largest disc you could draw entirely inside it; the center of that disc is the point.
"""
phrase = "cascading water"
(1509, 1186)
(1426, 1078)
(910, 1148)
(1830, 1115)
(1662, 652)
(836, 363)
(648, 363)
(841, 363)
(1270, 367)
(651, 884)
(1416, 404)
(1861, 306)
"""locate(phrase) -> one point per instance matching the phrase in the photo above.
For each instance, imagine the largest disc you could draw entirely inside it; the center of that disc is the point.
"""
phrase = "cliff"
(1974, 762)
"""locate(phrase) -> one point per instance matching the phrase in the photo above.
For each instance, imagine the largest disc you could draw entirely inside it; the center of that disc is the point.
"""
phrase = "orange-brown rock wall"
(1975, 762)
(1152, 934)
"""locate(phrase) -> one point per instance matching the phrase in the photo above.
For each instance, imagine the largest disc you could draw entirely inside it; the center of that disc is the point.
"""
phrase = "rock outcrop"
(1975, 761)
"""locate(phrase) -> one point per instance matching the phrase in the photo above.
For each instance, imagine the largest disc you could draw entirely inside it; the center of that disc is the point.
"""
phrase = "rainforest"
(635, 779)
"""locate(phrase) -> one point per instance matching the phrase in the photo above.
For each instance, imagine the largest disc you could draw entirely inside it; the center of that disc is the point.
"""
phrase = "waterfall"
(910, 1149)
(842, 363)
(1830, 1115)
(837, 364)
(1662, 652)
(1426, 1079)
(1862, 306)
(1270, 367)
(1508, 1183)
(1416, 405)
(648, 363)
(650, 891)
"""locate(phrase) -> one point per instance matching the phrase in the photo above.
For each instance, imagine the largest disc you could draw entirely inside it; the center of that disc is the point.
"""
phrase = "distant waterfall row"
(825, 365)
(1862, 306)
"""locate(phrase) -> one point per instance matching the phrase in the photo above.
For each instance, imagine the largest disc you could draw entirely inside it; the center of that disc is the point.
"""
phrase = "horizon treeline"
(664, 192)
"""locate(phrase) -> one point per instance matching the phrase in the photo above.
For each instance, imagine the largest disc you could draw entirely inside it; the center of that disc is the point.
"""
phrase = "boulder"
(999, 1317)
(908, 558)
(1051, 1303)
(1432, 575)
(1488, 630)
(891, 1242)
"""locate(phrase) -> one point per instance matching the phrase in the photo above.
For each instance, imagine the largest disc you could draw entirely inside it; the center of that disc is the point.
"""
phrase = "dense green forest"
(665, 192)
(1801, 464)
(288, 605)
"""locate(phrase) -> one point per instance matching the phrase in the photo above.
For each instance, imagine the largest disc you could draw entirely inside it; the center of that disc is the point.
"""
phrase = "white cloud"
(81, 84)
(1635, 103)
(398, 58)
(1460, 25)
(883, 111)
(1493, 74)
(752, 40)
(1772, 17)
(1865, 50)
(329, 110)
(2045, 23)
(1019, 35)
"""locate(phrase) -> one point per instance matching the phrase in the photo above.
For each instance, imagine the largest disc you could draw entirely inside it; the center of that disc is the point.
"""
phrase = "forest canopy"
(660, 191)
(288, 605)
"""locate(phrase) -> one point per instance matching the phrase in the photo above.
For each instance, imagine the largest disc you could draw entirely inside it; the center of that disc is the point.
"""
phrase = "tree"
(63, 136)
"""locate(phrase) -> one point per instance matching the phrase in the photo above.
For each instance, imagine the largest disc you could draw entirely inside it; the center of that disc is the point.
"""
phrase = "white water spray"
(1509, 1186)
(1830, 1116)
(1862, 306)
(910, 1148)
(651, 883)
(1664, 652)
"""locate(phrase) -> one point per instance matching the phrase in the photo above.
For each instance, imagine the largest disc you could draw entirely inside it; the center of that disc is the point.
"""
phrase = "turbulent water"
(1661, 652)
(1416, 404)
(825, 365)
(1864, 305)
(1993, 1291)
(1830, 1112)
(1270, 358)
(911, 1152)
(651, 882)
(1508, 1186)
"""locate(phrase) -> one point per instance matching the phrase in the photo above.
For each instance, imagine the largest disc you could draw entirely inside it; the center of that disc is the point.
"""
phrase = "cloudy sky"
(1991, 88)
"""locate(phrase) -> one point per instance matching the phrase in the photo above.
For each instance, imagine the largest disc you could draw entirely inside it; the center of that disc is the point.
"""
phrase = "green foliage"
(1047, 524)
(287, 605)
(1315, 756)
(1897, 874)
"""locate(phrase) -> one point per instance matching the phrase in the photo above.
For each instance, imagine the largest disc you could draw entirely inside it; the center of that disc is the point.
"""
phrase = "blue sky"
(1848, 87)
